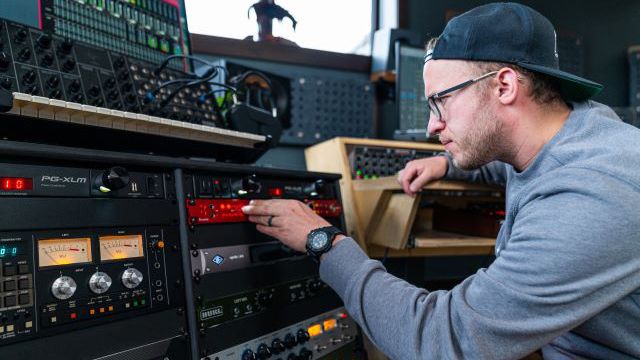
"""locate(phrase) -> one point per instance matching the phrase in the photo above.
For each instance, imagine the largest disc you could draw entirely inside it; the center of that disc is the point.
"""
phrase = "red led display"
(15, 184)
(276, 192)
(204, 211)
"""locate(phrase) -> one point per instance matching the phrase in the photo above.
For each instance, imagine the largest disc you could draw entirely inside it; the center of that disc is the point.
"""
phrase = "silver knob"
(100, 282)
(64, 287)
(131, 278)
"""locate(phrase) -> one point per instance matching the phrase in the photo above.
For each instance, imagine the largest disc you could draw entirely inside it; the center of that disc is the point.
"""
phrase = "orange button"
(92, 312)
(160, 244)
(110, 308)
(101, 310)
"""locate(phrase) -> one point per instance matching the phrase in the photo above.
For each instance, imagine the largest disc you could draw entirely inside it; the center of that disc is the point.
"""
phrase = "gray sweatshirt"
(567, 273)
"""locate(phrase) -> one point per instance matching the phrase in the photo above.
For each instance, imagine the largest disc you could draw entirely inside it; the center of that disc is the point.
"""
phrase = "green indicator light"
(135, 303)
(153, 42)
(143, 301)
(366, 177)
(359, 172)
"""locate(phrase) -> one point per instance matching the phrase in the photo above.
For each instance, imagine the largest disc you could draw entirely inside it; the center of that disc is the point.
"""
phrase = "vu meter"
(59, 252)
(121, 247)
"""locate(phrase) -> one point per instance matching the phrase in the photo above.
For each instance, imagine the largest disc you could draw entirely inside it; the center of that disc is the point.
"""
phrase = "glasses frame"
(431, 100)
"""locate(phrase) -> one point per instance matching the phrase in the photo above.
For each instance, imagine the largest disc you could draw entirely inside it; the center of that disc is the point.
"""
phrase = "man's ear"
(509, 88)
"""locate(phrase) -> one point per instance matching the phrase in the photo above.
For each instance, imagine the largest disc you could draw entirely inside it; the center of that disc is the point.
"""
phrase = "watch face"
(319, 241)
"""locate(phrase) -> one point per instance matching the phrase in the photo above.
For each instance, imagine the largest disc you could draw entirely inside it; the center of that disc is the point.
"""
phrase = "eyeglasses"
(435, 101)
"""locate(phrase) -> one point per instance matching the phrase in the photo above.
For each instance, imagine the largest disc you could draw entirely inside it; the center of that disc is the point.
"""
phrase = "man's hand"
(417, 173)
(291, 220)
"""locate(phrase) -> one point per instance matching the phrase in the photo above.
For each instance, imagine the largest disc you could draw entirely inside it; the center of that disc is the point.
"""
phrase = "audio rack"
(98, 250)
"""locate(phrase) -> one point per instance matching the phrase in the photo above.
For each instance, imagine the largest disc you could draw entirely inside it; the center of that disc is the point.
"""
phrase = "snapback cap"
(510, 33)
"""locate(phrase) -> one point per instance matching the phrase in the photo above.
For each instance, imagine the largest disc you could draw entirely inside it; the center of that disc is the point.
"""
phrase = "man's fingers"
(407, 177)
(256, 210)
(262, 219)
(418, 183)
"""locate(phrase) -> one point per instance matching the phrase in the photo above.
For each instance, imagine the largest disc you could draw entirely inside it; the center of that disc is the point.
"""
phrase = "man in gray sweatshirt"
(566, 278)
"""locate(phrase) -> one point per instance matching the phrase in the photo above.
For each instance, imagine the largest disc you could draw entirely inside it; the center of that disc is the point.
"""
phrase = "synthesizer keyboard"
(64, 111)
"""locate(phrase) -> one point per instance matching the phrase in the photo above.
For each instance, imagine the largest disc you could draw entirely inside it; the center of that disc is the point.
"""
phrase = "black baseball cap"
(511, 33)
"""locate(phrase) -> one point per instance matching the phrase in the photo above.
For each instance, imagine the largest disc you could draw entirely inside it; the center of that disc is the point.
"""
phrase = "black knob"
(20, 36)
(74, 86)
(110, 83)
(24, 54)
(113, 179)
(55, 94)
(32, 89)
(53, 81)
(130, 98)
(248, 355)
(305, 354)
(4, 61)
(123, 76)
(29, 77)
(314, 286)
(65, 47)
(6, 83)
(94, 90)
(315, 189)
(119, 62)
(78, 98)
(290, 341)
(126, 87)
(97, 102)
(46, 60)
(302, 336)
(263, 298)
(69, 65)
(44, 41)
(113, 95)
(277, 346)
(263, 351)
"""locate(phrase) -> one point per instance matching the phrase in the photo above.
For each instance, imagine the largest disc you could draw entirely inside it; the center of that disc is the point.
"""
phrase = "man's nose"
(434, 126)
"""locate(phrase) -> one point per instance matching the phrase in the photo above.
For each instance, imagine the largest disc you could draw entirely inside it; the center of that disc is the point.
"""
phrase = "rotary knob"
(302, 336)
(305, 354)
(248, 355)
(100, 282)
(131, 278)
(277, 346)
(64, 287)
(263, 351)
(290, 341)
(113, 179)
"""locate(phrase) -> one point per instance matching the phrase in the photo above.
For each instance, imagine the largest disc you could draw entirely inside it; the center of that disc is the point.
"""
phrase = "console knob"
(20, 36)
(113, 179)
(302, 336)
(263, 298)
(290, 341)
(29, 77)
(46, 60)
(119, 62)
(6, 83)
(53, 81)
(100, 282)
(263, 351)
(248, 355)
(4, 61)
(24, 54)
(305, 354)
(64, 287)
(246, 185)
(277, 346)
(69, 64)
(315, 189)
(74, 86)
(66, 47)
(44, 41)
(131, 278)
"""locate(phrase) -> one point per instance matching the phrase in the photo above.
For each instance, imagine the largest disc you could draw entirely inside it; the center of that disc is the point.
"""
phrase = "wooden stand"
(380, 217)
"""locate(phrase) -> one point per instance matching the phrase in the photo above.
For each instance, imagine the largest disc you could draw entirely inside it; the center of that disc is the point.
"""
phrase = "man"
(566, 277)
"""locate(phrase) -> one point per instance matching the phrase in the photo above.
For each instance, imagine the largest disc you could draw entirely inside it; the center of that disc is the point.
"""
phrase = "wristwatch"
(319, 241)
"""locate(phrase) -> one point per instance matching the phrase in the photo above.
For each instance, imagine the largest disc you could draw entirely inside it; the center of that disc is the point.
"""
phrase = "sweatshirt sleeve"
(494, 173)
(557, 270)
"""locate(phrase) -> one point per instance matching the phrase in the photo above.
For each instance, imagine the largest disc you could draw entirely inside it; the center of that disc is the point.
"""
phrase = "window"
(331, 25)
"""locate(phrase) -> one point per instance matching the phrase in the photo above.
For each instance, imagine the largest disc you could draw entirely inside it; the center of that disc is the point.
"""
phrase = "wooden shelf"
(436, 243)
(389, 183)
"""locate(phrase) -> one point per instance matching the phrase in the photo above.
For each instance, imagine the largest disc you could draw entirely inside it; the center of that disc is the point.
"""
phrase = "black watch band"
(331, 232)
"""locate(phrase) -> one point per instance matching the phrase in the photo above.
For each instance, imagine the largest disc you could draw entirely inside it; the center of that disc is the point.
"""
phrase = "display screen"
(121, 247)
(15, 184)
(59, 251)
(7, 251)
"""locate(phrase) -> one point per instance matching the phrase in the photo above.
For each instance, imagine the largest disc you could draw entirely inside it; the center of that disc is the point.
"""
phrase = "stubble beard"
(481, 144)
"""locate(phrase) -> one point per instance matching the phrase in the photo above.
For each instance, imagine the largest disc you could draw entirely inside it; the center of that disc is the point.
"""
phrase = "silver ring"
(270, 220)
